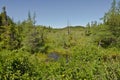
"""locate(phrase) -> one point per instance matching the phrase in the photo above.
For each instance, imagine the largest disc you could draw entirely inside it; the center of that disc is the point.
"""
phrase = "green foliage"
(34, 42)
(102, 36)
(90, 53)
(9, 38)
(5, 20)
(87, 31)
(112, 19)
(15, 66)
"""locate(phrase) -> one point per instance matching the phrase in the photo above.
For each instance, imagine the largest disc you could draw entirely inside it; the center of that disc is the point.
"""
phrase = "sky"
(57, 13)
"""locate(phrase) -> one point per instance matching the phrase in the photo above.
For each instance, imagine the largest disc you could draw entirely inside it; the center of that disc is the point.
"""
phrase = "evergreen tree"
(0, 20)
(112, 19)
(8, 37)
(4, 16)
(33, 37)
(87, 31)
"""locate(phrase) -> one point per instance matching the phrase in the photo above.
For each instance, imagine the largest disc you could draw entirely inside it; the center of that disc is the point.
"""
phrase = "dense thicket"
(34, 52)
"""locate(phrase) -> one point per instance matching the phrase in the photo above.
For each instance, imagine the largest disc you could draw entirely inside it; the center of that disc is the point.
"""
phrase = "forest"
(35, 52)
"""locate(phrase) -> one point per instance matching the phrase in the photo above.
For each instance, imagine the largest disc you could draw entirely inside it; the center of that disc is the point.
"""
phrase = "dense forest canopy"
(34, 52)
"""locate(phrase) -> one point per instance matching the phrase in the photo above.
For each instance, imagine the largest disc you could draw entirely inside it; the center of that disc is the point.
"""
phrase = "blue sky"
(56, 13)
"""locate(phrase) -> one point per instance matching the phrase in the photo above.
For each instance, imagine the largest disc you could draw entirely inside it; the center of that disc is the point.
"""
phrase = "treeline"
(22, 35)
(107, 34)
